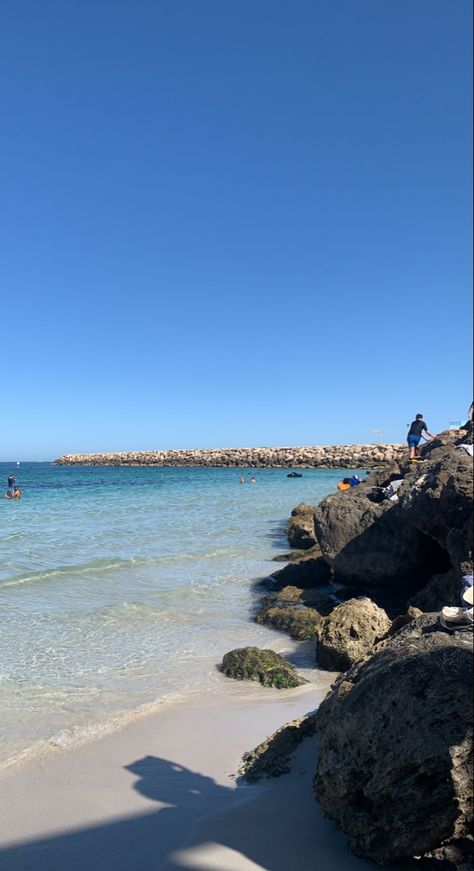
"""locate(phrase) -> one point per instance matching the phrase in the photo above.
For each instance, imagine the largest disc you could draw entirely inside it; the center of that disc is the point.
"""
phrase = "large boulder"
(300, 527)
(395, 753)
(349, 633)
(436, 499)
(374, 544)
(266, 666)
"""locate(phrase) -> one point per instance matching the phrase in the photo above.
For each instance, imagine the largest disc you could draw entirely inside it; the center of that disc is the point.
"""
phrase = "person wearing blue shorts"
(415, 433)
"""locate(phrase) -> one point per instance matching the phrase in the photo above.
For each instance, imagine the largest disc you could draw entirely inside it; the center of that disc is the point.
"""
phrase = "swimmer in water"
(242, 480)
(16, 493)
(253, 480)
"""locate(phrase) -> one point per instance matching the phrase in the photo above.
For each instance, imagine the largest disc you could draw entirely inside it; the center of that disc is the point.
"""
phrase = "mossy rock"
(266, 666)
(300, 622)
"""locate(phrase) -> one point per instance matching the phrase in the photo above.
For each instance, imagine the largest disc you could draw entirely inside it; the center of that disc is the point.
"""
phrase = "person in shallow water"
(16, 493)
(8, 495)
(242, 479)
(10, 481)
(415, 433)
(253, 480)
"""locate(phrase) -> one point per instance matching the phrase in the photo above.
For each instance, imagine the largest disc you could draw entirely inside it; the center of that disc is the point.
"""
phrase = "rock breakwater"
(325, 456)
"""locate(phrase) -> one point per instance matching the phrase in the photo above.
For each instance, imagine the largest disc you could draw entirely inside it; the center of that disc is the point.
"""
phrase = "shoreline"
(161, 793)
(316, 456)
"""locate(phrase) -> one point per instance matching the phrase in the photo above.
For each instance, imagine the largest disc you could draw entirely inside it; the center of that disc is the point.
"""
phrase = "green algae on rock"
(266, 666)
(300, 622)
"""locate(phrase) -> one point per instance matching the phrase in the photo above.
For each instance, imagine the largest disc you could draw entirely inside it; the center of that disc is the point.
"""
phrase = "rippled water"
(122, 587)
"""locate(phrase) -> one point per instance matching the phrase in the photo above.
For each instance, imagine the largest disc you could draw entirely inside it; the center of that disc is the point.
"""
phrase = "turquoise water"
(121, 588)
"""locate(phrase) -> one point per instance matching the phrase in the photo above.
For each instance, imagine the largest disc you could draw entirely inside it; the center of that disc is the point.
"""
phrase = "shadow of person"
(142, 841)
(179, 787)
(200, 824)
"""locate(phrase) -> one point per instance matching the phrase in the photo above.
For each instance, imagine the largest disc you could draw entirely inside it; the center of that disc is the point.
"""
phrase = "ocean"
(122, 588)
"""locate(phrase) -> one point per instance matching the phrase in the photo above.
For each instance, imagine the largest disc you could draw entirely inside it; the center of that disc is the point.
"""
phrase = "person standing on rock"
(415, 433)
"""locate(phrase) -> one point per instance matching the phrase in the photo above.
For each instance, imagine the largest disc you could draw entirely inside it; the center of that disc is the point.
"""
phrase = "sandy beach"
(161, 794)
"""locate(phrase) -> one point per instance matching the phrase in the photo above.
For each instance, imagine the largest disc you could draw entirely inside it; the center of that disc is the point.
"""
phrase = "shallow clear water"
(121, 587)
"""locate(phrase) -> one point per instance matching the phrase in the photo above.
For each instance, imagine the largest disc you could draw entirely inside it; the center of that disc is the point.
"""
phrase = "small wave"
(108, 564)
(78, 736)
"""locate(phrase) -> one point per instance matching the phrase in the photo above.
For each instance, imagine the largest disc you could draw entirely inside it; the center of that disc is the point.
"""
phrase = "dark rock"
(272, 757)
(349, 633)
(439, 591)
(436, 497)
(305, 573)
(374, 545)
(402, 620)
(395, 758)
(300, 528)
(296, 556)
(323, 600)
(266, 666)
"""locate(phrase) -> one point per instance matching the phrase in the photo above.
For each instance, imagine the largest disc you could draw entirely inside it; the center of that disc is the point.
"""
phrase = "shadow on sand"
(193, 817)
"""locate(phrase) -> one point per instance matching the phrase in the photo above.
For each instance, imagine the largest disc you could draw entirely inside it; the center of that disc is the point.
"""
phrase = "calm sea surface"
(122, 588)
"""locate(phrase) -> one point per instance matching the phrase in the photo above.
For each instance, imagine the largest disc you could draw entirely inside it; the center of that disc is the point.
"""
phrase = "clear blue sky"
(233, 223)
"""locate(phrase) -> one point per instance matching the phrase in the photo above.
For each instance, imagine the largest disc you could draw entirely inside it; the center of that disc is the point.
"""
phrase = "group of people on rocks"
(416, 432)
(13, 491)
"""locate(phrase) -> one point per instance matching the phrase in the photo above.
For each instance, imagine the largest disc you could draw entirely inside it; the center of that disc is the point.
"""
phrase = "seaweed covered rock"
(300, 527)
(295, 611)
(266, 666)
(300, 622)
(395, 753)
(348, 633)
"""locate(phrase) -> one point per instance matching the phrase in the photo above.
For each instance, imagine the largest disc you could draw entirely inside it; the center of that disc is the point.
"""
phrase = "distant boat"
(18, 462)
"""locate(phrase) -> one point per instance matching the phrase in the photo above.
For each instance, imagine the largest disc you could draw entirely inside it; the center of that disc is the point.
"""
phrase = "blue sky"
(233, 223)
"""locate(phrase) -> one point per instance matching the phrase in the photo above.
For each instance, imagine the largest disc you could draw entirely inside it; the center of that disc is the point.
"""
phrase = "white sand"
(159, 795)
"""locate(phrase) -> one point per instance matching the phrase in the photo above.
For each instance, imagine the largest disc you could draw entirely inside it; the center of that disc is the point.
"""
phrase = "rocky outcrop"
(328, 456)
(395, 752)
(266, 666)
(404, 544)
(349, 633)
(300, 527)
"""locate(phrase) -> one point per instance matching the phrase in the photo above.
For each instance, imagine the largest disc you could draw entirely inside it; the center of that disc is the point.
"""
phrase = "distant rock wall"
(328, 456)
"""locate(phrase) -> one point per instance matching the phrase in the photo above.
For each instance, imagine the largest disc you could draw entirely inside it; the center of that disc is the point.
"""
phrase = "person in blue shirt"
(415, 433)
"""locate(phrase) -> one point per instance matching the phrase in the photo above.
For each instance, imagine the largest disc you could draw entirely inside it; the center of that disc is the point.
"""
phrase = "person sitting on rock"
(415, 433)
